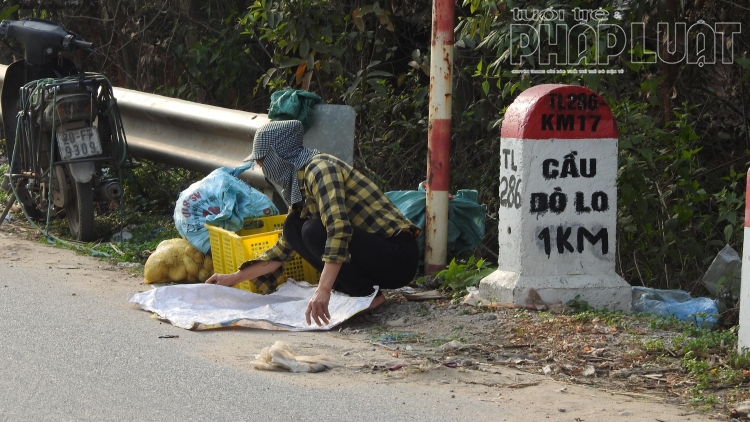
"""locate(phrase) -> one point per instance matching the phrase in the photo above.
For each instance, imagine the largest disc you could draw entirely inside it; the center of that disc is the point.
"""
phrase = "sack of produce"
(177, 260)
(220, 199)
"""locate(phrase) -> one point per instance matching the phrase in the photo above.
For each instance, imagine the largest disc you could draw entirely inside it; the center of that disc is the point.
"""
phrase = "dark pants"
(390, 263)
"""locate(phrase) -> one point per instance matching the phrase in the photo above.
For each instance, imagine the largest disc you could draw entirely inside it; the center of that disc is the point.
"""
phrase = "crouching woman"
(339, 221)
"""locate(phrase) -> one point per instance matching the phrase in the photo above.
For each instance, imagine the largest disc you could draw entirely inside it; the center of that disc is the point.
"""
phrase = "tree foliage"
(684, 138)
(683, 142)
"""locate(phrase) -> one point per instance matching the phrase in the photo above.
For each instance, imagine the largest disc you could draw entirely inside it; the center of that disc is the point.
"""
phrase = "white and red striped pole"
(744, 334)
(439, 136)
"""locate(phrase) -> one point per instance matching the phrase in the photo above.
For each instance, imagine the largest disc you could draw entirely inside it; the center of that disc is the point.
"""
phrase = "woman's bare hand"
(317, 308)
(228, 280)
(250, 272)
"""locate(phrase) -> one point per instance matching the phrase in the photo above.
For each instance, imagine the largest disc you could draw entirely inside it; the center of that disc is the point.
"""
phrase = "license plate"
(79, 143)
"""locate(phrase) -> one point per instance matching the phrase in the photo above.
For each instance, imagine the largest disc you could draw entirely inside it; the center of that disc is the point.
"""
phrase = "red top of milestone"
(554, 111)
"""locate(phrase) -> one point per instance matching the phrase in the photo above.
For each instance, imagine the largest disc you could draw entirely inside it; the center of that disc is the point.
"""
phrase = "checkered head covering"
(279, 144)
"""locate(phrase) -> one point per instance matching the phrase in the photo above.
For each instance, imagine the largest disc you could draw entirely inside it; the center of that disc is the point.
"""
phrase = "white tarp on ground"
(207, 306)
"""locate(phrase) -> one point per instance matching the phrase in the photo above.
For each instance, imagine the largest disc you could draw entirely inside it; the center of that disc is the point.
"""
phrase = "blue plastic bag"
(677, 303)
(220, 199)
(465, 216)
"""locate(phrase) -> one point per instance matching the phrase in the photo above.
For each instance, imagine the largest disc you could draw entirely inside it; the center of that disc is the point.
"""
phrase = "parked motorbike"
(63, 130)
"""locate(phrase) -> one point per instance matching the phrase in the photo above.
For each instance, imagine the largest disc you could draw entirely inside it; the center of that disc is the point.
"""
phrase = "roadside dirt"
(530, 365)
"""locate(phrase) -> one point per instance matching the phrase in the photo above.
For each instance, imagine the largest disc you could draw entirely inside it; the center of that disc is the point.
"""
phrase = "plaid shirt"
(341, 197)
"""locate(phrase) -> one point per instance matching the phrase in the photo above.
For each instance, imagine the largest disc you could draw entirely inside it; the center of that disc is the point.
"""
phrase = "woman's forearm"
(250, 272)
(328, 276)
(257, 269)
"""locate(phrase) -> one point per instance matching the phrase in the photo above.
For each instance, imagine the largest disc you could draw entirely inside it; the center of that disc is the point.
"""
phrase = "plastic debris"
(473, 298)
(279, 358)
(451, 345)
(724, 273)
(677, 303)
(424, 296)
(121, 236)
(534, 302)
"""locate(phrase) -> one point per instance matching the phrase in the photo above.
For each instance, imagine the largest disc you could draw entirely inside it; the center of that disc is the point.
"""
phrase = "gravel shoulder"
(528, 365)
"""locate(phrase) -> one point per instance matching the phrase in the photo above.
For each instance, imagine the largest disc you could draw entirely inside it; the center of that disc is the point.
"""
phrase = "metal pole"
(439, 136)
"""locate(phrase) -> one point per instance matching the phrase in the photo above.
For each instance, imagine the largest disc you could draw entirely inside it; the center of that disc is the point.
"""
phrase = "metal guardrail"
(188, 135)
(203, 138)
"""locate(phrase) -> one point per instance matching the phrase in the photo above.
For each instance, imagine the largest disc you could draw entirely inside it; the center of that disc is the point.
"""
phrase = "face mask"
(267, 173)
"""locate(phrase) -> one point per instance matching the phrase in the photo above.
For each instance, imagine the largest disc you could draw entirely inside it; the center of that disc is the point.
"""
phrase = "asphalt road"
(73, 349)
(73, 352)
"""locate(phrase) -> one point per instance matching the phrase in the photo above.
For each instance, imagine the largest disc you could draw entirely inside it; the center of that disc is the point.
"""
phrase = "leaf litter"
(635, 355)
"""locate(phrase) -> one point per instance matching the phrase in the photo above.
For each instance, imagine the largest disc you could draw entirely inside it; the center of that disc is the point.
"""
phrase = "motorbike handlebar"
(82, 44)
(42, 39)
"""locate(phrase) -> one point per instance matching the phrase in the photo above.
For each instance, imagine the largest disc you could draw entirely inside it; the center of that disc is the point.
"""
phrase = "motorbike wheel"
(80, 211)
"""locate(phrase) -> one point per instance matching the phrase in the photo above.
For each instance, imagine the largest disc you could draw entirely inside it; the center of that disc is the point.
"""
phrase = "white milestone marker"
(558, 201)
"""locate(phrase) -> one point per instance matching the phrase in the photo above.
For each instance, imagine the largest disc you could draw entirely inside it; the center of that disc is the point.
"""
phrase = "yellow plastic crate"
(262, 225)
(230, 249)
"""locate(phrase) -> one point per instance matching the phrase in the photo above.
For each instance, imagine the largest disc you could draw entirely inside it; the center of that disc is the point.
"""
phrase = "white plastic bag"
(280, 358)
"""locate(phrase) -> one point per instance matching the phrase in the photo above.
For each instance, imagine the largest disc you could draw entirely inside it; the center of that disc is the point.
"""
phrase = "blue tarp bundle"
(465, 216)
(677, 303)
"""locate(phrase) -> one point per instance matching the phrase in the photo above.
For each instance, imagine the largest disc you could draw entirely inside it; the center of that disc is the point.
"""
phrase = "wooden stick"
(8, 204)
